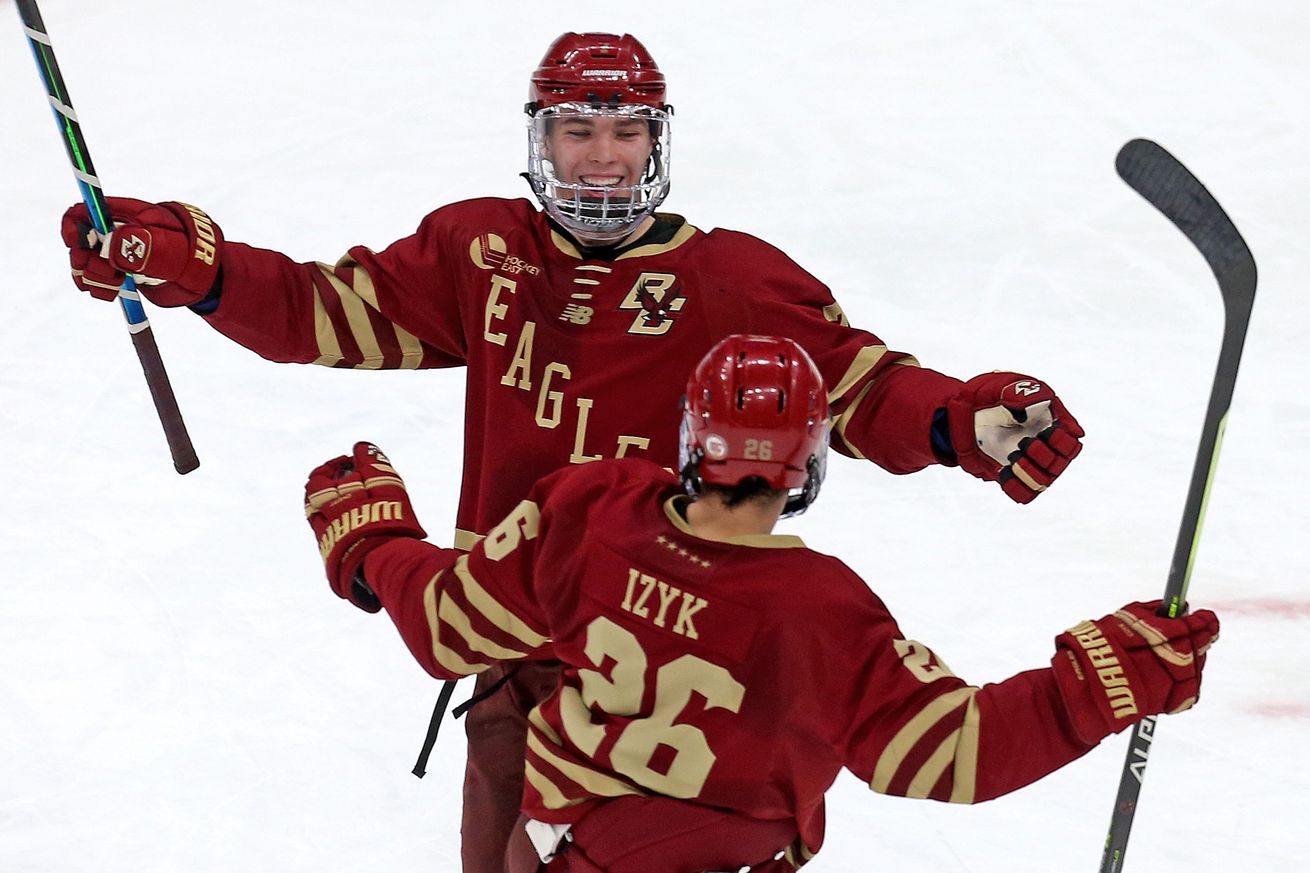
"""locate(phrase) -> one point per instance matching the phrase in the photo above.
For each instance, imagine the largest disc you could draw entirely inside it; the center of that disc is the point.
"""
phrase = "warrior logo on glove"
(354, 503)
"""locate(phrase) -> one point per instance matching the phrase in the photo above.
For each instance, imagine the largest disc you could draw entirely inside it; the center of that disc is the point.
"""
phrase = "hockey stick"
(143, 338)
(1169, 187)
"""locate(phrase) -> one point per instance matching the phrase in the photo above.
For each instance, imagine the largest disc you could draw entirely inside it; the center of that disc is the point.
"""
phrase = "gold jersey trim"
(965, 788)
(449, 614)
(684, 233)
(755, 541)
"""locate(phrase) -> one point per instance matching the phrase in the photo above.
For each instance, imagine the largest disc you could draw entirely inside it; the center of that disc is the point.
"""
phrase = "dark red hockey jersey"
(570, 359)
(739, 675)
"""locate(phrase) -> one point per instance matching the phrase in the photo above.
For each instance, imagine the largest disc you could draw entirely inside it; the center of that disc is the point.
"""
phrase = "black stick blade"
(1153, 172)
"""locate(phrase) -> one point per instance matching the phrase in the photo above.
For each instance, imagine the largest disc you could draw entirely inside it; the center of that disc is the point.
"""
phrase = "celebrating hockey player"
(576, 324)
(718, 676)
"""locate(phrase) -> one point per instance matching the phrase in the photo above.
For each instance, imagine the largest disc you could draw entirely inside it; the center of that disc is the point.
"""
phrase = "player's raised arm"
(936, 737)
(458, 612)
(368, 311)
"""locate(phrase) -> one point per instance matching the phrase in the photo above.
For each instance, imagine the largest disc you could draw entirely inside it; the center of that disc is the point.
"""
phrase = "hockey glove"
(1120, 669)
(1013, 429)
(355, 504)
(172, 250)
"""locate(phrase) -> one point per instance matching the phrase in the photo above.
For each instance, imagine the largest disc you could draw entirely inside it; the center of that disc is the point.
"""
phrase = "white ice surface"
(180, 692)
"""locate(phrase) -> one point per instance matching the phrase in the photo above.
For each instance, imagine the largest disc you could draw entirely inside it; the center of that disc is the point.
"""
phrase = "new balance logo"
(576, 313)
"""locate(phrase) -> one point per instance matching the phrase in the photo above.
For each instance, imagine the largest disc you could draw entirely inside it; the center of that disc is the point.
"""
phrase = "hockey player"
(557, 315)
(718, 676)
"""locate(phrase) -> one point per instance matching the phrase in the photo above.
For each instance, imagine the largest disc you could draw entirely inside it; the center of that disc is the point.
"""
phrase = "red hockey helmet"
(756, 406)
(598, 75)
(601, 69)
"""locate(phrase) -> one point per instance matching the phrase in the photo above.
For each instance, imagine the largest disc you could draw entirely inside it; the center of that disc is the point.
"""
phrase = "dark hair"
(750, 489)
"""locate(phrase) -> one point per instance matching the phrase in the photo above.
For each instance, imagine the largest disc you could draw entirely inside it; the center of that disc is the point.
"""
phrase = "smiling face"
(599, 151)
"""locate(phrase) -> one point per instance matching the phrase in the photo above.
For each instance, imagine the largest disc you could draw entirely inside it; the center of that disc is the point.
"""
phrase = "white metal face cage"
(599, 215)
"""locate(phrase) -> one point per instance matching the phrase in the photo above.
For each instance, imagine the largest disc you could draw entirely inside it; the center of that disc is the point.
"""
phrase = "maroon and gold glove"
(1013, 429)
(355, 504)
(172, 250)
(1116, 671)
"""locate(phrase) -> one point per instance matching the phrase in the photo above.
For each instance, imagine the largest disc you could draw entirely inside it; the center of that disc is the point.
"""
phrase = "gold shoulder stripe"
(908, 737)
(449, 614)
(493, 610)
(592, 781)
(965, 788)
(411, 350)
(356, 316)
(443, 654)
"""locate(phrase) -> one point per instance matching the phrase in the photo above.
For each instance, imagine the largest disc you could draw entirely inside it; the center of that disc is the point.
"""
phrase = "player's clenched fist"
(1013, 429)
(172, 250)
(353, 503)
(1115, 671)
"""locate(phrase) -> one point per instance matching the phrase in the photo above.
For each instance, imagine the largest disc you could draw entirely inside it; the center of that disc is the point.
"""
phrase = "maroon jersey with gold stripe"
(570, 358)
(739, 675)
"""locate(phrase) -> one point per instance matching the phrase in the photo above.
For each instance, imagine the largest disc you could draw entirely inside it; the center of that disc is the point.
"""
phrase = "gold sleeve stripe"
(551, 796)
(449, 614)
(931, 771)
(592, 781)
(492, 609)
(443, 654)
(833, 312)
(357, 317)
(839, 423)
(908, 737)
(465, 540)
(538, 721)
(865, 360)
(329, 349)
(411, 350)
(966, 756)
(363, 282)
